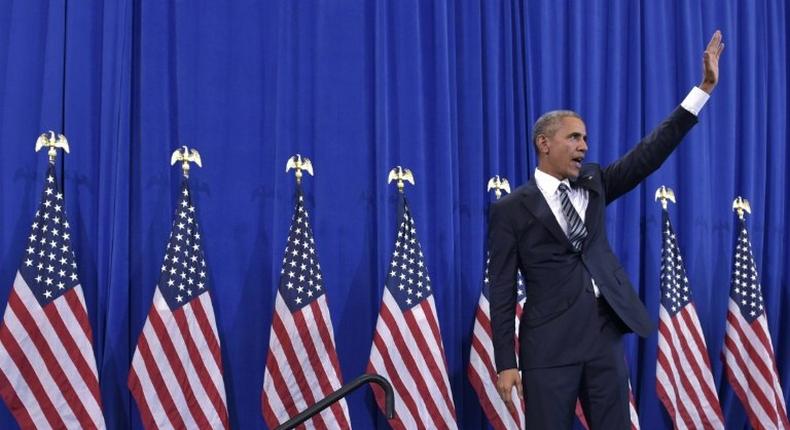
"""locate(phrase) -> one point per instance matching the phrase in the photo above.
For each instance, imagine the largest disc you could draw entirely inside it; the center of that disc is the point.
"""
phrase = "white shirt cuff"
(695, 100)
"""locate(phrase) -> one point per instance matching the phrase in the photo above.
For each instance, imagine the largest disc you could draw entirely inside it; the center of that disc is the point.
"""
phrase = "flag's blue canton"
(675, 293)
(408, 279)
(48, 265)
(745, 289)
(300, 277)
(184, 275)
(521, 292)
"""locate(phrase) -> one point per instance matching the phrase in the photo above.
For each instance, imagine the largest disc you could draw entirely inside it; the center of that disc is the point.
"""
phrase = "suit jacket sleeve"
(502, 270)
(648, 155)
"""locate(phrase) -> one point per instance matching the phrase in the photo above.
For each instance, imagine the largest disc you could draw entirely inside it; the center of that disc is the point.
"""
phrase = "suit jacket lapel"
(591, 216)
(534, 201)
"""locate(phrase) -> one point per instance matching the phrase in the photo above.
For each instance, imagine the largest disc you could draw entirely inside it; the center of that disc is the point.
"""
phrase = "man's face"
(562, 153)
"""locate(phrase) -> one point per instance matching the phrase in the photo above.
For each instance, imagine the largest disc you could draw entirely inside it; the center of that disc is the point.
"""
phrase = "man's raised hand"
(710, 62)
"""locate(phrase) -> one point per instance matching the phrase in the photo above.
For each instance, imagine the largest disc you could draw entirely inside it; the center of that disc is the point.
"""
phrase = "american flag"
(48, 374)
(176, 374)
(684, 381)
(748, 352)
(407, 346)
(302, 366)
(482, 371)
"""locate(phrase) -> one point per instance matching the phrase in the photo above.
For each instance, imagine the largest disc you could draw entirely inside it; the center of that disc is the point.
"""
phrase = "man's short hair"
(548, 123)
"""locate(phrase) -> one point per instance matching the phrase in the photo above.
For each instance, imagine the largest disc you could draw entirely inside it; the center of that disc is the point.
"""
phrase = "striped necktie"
(576, 229)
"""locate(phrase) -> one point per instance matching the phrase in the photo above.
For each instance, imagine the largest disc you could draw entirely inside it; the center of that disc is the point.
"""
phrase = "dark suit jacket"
(524, 235)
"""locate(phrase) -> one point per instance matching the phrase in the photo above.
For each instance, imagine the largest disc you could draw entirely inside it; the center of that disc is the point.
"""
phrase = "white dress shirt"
(579, 197)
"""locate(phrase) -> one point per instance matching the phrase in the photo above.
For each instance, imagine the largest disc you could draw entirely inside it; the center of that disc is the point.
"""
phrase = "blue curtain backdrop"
(447, 89)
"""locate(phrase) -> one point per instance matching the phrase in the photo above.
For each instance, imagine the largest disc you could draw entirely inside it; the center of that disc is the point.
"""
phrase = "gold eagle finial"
(665, 194)
(741, 206)
(498, 185)
(299, 163)
(186, 155)
(52, 141)
(400, 174)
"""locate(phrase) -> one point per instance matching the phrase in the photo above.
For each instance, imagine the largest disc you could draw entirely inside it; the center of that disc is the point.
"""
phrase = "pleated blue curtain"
(447, 89)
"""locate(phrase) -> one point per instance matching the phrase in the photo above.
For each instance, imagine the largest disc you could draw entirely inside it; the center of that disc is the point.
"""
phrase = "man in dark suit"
(579, 299)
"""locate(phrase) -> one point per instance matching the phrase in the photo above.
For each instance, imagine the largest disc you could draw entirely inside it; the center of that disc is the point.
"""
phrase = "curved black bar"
(389, 399)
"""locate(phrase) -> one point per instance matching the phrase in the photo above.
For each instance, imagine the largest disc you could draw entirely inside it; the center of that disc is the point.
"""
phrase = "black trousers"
(600, 382)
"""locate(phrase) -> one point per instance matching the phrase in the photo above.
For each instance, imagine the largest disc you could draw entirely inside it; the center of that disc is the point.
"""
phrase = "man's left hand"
(710, 63)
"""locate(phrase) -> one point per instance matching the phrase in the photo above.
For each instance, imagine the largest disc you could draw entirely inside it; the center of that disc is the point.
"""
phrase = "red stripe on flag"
(663, 361)
(177, 367)
(315, 363)
(691, 323)
(31, 378)
(293, 363)
(580, 414)
(427, 355)
(53, 366)
(740, 390)
(663, 396)
(326, 334)
(480, 349)
(268, 413)
(491, 413)
(761, 335)
(282, 392)
(79, 312)
(411, 365)
(72, 349)
(755, 359)
(754, 355)
(481, 352)
(685, 354)
(433, 323)
(378, 394)
(482, 317)
(158, 384)
(205, 325)
(137, 392)
(632, 409)
(393, 373)
(682, 367)
(200, 368)
(14, 403)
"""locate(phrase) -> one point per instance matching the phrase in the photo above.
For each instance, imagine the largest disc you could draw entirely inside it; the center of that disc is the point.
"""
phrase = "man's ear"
(543, 144)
